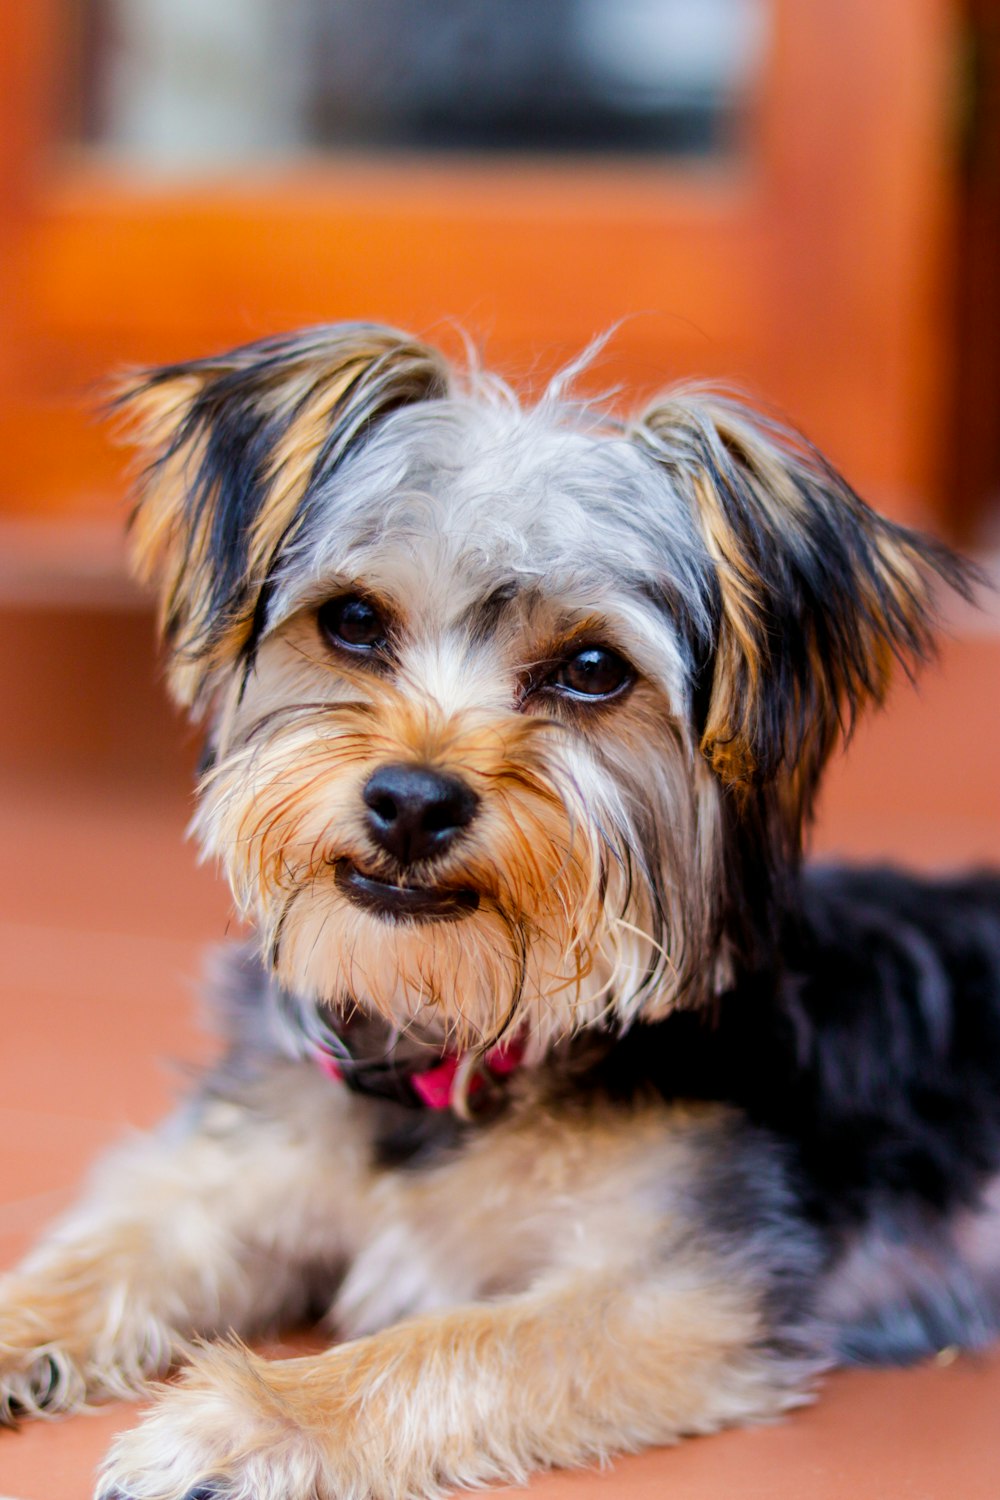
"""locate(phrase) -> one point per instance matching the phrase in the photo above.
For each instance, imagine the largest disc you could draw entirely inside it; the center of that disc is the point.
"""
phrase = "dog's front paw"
(44, 1368)
(224, 1431)
(65, 1344)
(38, 1382)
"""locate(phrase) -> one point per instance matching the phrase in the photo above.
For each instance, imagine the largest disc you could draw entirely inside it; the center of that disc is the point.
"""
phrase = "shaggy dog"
(581, 1113)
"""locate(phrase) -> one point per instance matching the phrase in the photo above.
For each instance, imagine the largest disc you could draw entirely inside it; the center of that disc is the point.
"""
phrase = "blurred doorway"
(763, 190)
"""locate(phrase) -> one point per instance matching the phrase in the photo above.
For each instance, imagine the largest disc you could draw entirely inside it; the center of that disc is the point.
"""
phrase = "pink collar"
(435, 1087)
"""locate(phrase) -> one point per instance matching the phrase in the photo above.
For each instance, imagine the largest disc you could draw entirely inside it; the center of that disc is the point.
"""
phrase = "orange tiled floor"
(104, 916)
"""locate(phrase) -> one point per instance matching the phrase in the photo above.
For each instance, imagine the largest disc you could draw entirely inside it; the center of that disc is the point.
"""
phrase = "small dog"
(582, 1114)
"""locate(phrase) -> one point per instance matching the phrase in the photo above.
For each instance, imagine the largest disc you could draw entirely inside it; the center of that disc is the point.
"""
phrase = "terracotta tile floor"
(104, 916)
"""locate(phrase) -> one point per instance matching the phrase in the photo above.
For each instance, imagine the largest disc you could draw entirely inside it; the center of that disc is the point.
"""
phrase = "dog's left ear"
(234, 447)
(815, 594)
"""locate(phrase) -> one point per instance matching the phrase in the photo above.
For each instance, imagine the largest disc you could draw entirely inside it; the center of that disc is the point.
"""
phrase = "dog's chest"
(441, 1235)
(535, 1191)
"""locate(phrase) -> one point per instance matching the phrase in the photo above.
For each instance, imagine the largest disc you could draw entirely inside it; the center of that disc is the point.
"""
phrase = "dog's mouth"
(415, 903)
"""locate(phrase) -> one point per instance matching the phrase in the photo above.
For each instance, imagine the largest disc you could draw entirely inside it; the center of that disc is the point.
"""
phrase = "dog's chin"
(403, 903)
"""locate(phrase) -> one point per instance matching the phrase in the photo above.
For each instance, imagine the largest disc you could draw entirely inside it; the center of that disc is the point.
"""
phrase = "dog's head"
(515, 715)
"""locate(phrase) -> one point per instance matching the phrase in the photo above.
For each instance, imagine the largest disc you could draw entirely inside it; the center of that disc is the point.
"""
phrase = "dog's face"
(515, 715)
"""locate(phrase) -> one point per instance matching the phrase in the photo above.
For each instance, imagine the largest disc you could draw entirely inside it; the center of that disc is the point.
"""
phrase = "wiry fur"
(574, 1262)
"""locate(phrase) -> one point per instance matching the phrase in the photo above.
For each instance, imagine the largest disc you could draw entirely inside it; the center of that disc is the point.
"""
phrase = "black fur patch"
(408, 1138)
(873, 1052)
(241, 407)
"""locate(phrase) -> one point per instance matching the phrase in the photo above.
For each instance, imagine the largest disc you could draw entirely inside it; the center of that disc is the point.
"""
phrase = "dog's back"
(873, 1055)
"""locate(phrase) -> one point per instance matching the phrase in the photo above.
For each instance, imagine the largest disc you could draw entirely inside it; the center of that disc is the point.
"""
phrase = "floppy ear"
(816, 595)
(234, 448)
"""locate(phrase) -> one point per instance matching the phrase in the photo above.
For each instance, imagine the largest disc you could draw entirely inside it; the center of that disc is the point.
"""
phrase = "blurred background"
(801, 196)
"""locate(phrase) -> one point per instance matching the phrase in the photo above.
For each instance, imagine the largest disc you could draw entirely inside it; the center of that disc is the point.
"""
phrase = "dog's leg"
(574, 1369)
(204, 1226)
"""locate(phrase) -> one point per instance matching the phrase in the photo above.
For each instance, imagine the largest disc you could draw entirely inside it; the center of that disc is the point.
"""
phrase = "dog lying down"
(578, 1111)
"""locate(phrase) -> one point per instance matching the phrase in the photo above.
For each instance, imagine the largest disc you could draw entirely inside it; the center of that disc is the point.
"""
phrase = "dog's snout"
(415, 813)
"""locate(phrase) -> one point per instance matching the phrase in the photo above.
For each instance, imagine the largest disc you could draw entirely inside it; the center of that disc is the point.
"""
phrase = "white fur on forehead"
(451, 497)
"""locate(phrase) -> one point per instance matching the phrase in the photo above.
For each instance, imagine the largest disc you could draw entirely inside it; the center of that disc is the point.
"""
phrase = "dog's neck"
(368, 1056)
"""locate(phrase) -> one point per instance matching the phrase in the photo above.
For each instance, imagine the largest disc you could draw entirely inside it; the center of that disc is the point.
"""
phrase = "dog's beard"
(580, 914)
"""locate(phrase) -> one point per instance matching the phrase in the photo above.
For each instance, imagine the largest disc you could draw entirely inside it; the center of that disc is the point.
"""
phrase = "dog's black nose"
(415, 813)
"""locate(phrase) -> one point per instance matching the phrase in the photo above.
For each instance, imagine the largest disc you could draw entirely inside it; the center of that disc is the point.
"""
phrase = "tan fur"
(283, 803)
(73, 1327)
(485, 1394)
(598, 1336)
(175, 1236)
(592, 1340)
(775, 472)
(310, 390)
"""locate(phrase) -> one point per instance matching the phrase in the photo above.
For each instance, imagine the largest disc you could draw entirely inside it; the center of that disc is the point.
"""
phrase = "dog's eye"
(594, 672)
(352, 622)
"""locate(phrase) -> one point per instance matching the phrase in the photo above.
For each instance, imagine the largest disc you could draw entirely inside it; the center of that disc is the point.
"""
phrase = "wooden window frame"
(813, 269)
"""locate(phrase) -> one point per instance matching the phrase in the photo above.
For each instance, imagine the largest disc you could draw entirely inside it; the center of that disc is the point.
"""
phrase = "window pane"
(188, 83)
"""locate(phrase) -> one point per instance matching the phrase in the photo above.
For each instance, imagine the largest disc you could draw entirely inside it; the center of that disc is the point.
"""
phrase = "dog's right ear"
(233, 448)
